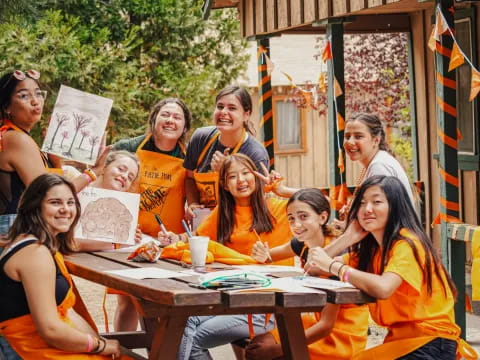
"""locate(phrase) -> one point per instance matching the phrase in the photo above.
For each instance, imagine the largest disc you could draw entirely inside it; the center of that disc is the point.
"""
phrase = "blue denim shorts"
(5, 222)
(437, 349)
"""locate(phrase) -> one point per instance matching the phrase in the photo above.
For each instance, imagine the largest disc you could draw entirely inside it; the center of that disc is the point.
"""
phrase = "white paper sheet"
(147, 273)
(319, 283)
(286, 284)
(268, 269)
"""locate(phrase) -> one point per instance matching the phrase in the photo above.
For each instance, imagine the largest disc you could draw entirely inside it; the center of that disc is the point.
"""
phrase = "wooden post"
(453, 253)
(265, 99)
(336, 105)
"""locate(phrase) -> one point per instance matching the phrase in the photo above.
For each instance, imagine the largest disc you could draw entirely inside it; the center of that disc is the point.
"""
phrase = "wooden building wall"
(309, 169)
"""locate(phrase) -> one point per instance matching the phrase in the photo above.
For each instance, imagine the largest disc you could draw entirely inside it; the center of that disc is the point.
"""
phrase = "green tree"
(134, 51)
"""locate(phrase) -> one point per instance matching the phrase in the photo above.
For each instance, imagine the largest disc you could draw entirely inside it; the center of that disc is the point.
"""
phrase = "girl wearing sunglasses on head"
(21, 161)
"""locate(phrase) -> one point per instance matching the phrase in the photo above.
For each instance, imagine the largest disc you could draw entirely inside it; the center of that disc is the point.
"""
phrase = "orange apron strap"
(182, 148)
(140, 147)
(237, 147)
(465, 351)
(104, 309)
(267, 319)
(81, 309)
(205, 149)
(79, 305)
(251, 330)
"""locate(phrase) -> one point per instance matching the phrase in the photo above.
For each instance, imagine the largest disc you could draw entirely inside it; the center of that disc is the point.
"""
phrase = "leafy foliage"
(133, 51)
(376, 81)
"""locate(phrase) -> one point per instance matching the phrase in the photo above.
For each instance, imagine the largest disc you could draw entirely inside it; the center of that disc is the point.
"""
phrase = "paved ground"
(92, 295)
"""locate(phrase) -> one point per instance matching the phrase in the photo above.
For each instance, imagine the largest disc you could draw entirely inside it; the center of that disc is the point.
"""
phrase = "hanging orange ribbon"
(456, 58)
(327, 52)
(475, 84)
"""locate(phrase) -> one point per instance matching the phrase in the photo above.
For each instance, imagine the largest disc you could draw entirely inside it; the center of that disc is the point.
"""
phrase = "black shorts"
(437, 349)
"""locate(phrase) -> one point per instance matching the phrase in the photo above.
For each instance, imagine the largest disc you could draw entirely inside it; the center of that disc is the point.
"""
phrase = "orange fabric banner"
(327, 52)
(475, 84)
(456, 58)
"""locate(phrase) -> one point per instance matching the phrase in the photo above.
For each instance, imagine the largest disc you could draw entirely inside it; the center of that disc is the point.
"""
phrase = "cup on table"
(198, 250)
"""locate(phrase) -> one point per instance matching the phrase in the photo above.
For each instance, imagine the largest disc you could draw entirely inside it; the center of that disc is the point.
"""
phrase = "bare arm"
(324, 326)
(35, 268)
(261, 253)
(23, 156)
(379, 286)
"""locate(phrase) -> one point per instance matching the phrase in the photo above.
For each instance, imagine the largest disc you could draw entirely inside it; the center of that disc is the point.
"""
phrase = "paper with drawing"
(108, 215)
(77, 125)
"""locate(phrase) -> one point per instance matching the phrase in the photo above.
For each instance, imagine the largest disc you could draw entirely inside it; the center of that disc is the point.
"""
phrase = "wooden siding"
(311, 168)
(260, 17)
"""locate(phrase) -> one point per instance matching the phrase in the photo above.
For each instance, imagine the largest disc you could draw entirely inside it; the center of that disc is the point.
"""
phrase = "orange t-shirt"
(348, 335)
(243, 239)
(412, 317)
(410, 305)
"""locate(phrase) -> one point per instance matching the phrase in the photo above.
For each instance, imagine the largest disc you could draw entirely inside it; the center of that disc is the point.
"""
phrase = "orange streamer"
(447, 139)
(452, 180)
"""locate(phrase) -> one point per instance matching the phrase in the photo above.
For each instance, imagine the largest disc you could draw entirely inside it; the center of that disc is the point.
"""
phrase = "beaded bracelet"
(330, 267)
(101, 346)
(340, 270)
(90, 173)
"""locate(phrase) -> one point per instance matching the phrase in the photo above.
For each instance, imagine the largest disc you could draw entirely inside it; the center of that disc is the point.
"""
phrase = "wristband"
(101, 346)
(88, 178)
(340, 270)
(346, 274)
(90, 343)
(330, 267)
(90, 173)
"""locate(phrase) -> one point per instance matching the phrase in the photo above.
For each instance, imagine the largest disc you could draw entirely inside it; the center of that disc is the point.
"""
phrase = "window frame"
(303, 123)
(466, 161)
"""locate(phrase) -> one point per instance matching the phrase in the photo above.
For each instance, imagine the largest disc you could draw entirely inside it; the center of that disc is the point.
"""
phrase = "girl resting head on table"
(338, 331)
(37, 316)
(392, 259)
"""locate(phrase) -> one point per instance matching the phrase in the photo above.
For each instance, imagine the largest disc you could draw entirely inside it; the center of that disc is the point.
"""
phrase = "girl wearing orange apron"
(208, 146)
(162, 176)
(397, 265)
(339, 331)
(37, 298)
(21, 161)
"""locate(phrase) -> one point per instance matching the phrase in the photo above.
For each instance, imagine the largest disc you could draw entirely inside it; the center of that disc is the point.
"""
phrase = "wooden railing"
(459, 235)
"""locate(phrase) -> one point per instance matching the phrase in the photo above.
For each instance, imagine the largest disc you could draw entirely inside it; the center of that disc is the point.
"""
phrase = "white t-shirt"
(385, 164)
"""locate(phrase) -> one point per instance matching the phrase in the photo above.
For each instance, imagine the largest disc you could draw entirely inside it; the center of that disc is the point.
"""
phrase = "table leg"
(292, 335)
(167, 337)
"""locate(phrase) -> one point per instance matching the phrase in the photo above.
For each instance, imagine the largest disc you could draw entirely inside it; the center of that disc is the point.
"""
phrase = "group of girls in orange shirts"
(389, 256)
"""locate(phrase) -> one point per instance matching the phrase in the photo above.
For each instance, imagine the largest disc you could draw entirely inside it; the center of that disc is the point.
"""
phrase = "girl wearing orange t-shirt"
(338, 331)
(392, 259)
(232, 223)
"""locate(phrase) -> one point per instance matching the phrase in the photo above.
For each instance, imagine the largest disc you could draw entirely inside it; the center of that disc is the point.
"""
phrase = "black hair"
(401, 215)
(263, 220)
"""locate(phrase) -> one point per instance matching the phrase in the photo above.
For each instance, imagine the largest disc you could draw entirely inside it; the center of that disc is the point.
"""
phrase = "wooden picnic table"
(165, 304)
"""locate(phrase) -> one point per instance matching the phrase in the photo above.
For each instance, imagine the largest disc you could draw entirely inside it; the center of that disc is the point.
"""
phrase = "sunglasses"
(20, 76)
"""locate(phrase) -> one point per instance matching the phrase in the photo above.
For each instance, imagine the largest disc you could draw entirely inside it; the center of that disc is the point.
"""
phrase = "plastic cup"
(198, 250)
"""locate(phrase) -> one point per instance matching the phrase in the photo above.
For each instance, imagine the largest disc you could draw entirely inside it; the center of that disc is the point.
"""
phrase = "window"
(467, 115)
(289, 126)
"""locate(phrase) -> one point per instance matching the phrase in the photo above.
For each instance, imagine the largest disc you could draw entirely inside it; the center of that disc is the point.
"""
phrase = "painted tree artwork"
(78, 116)
(108, 215)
